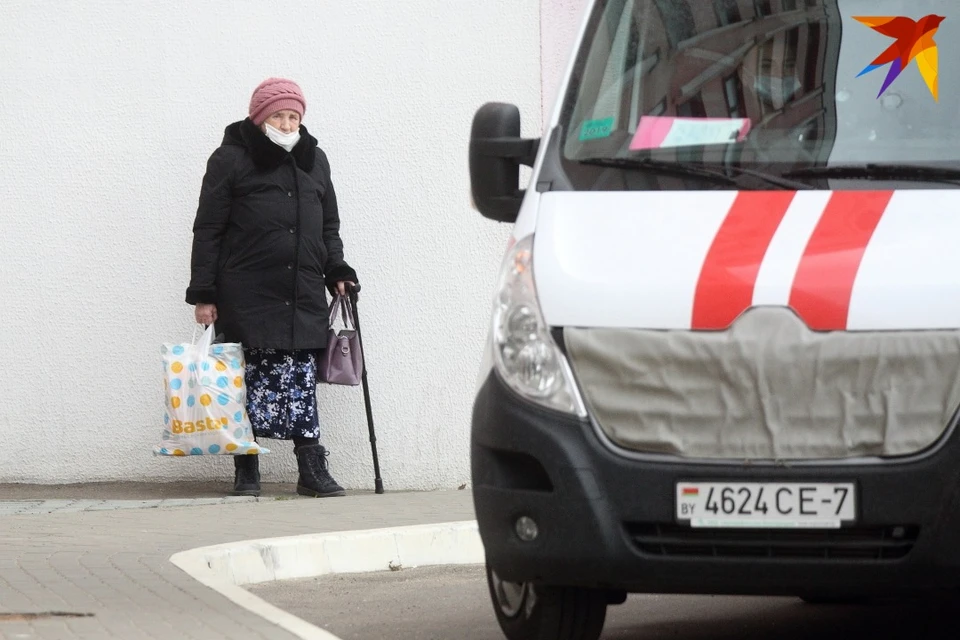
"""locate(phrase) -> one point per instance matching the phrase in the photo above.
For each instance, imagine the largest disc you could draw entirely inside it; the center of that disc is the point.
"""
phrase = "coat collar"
(265, 153)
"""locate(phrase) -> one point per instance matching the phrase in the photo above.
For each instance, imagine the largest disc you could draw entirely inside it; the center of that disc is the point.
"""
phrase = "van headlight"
(524, 353)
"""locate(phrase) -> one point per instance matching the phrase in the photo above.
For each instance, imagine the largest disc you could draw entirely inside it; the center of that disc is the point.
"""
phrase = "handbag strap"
(341, 305)
(348, 313)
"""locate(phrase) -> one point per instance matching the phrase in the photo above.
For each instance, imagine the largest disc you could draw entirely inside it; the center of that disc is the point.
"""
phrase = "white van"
(724, 354)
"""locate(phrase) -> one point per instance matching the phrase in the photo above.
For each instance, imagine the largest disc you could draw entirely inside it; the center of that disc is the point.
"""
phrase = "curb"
(225, 568)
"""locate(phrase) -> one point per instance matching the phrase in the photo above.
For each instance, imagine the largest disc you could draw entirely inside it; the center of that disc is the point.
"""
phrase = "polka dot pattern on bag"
(205, 402)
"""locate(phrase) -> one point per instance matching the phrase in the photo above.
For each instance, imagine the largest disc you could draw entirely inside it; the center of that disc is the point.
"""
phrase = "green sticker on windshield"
(596, 129)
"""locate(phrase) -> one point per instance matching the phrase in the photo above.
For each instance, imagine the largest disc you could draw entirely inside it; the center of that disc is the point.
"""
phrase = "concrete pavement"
(105, 573)
(94, 562)
(192, 490)
(443, 603)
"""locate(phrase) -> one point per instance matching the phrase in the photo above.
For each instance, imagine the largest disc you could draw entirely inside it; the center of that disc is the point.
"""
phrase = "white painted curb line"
(226, 567)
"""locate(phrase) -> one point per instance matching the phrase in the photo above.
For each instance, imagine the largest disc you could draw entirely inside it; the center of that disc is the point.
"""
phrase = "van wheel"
(528, 612)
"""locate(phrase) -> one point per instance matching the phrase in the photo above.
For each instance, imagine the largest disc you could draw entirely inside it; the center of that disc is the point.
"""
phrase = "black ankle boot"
(315, 481)
(246, 475)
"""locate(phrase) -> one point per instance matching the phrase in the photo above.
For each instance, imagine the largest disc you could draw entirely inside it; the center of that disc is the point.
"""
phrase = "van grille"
(855, 543)
(768, 389)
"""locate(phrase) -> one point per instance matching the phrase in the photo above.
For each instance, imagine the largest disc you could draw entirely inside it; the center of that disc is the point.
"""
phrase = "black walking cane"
(354, 289)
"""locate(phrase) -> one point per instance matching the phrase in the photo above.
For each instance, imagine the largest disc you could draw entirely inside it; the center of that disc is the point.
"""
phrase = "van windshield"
(805, 89)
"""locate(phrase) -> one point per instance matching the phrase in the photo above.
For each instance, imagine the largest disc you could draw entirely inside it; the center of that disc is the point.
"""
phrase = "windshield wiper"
(675, 168)
(871, 171)
(692, 171)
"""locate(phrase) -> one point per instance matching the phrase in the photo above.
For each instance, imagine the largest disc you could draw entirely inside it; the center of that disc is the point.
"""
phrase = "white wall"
(109, 111)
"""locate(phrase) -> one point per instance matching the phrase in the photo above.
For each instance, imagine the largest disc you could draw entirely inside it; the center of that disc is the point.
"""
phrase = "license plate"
(766, 505)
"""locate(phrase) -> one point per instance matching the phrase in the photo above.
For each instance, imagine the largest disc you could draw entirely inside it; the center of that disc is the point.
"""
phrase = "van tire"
(536, 612)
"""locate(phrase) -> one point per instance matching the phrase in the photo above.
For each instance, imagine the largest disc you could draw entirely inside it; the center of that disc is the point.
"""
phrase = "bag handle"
(206, 339)
(341, 304)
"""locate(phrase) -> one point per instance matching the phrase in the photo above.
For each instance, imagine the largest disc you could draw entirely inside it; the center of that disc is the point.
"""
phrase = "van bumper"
(607, 521)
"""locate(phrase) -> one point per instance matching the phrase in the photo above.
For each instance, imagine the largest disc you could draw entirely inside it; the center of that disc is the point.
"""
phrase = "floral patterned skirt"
(282, 393)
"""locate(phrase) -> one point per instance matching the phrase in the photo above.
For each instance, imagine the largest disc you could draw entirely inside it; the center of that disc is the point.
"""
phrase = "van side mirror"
(496, 153)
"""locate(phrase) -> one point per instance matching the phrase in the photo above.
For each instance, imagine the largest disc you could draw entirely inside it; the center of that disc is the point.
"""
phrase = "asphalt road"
(452, 602)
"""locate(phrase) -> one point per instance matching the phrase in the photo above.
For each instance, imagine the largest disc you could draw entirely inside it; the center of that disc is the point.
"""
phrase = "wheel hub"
(513, 597)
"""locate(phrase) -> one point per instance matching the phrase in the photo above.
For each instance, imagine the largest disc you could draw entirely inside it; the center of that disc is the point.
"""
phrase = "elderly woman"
(266, 245)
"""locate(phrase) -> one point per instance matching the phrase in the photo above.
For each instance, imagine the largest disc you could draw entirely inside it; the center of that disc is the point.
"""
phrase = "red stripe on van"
(729, 272)
(824, 281)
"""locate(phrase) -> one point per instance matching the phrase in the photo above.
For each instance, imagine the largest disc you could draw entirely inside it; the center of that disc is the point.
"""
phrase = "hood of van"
(841, 260)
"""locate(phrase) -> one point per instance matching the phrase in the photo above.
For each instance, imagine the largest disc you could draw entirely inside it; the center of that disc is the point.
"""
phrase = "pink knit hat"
(276, 94)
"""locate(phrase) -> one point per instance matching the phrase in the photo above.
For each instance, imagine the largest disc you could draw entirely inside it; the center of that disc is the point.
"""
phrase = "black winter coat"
(266, 241)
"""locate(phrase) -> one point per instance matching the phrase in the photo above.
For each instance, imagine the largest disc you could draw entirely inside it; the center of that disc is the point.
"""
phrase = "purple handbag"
(342, 361)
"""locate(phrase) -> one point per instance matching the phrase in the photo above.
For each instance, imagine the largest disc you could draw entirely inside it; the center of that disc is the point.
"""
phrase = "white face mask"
(286, 140)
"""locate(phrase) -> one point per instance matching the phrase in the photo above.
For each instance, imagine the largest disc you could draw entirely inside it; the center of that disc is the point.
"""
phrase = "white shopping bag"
(206, 399)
